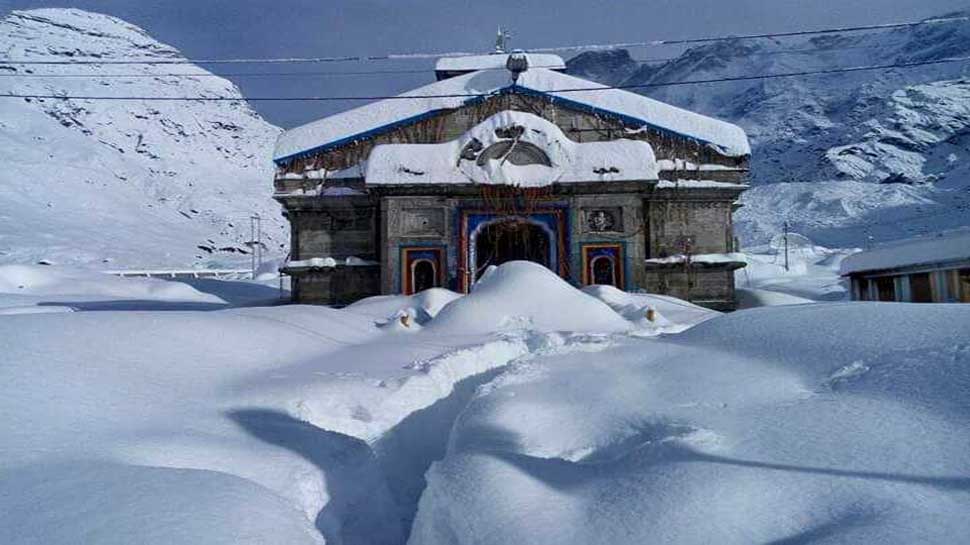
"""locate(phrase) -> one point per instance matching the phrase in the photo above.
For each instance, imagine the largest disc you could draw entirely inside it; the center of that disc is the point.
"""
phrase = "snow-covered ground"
(828, 423)
(538, 412)
(813, 274)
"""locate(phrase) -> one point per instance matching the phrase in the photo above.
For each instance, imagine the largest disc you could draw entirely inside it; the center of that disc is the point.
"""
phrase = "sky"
(288, 28)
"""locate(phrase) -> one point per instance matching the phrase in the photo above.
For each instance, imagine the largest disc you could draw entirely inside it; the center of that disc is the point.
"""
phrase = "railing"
(188, 273)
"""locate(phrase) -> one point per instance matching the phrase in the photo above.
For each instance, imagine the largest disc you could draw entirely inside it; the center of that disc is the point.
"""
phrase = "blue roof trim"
(511, 89)
(582, 106)
(376, 131)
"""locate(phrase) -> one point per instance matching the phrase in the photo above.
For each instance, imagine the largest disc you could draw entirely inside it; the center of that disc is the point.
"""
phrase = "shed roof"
(941, 248)
(412, 106)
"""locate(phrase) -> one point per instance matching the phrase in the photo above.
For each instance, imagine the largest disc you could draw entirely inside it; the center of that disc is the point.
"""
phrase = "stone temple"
(505, 158)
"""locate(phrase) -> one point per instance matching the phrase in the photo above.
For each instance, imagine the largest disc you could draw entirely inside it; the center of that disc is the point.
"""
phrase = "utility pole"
(256, 242)
(259, 241)
(688, 246)
(252, 244)
(786, 245)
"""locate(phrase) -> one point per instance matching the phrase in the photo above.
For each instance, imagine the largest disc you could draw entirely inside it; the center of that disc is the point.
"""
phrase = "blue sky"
(272, 28)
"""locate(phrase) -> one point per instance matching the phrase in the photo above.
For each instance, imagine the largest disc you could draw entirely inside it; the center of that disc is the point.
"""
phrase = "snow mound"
(122, 505)
(526, 295)
(834, 423)
(635, 306)
(421, 306)
(40, 280)
(812, 275)
(752, 298)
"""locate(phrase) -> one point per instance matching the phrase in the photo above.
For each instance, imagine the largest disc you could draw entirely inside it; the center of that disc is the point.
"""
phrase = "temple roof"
(512, 148)
(633, 109)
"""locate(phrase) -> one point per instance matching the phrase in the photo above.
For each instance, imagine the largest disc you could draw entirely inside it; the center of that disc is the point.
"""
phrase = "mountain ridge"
(127, 183)
(902, 132)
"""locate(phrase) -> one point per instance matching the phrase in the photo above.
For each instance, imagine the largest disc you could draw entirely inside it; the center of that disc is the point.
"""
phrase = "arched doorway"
(424, 275)
(604, 271)
(510, 240)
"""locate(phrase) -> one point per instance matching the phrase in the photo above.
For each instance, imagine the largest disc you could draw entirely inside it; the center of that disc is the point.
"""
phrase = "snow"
(41, 280)
(421, 306)
(329, 262)
(454, 92)
(698, 184)
(714, 259)
(523, 412)
(471, 63)
(843, 157)
(126, 184)
(681, 164)
(753, 298)
(941, 248)
(522, 294)
(64, 503)
(571, 161)
(672, 315)
(812, 274)
(787, 424)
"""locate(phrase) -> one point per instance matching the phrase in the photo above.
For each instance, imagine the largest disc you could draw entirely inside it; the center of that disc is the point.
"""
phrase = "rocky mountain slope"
(879, 154)
(128, 183)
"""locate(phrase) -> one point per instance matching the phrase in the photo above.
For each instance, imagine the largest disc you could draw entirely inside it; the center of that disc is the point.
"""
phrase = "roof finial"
(517, 63)
(502, 40)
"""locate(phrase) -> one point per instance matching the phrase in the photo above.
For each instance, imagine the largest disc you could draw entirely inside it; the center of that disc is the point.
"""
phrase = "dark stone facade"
(595, 232)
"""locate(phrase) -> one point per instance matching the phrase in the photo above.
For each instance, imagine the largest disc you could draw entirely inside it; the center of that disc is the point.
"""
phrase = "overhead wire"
(802, 73)
(351, 73)
(428, 55)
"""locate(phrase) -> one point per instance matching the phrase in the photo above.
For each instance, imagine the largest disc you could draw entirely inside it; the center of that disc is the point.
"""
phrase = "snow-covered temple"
(506, 157)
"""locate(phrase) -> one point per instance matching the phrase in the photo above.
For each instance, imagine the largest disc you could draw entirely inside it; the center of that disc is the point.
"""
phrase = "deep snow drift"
(833, 423)
(538, 412)
(131, 183)
(248, 425)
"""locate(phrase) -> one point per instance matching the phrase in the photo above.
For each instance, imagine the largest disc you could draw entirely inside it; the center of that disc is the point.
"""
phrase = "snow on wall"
(571, 161)
(944, 247)
(454, 92)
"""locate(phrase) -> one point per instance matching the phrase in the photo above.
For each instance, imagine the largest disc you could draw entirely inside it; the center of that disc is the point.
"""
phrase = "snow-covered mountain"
(842, 156)
(128, 183)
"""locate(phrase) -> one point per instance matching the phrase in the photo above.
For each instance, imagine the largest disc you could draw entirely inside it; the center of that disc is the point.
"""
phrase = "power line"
(428, 55)
(339, 73)
(482, 95)
(687, 41)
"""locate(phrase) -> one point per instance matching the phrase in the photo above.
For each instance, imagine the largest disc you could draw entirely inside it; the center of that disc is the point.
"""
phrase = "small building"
(931, 269)
(506, 158)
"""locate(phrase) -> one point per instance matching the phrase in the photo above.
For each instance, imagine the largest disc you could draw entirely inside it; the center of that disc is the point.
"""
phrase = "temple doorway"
(510, 240)
(424, 276)
(604, 271)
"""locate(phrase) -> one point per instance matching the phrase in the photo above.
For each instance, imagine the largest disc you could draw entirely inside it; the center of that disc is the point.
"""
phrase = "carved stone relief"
(423, 221)
(599, 220)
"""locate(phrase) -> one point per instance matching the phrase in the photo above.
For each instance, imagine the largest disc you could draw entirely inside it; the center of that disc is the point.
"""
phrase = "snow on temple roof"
(385, 115)
(511, 148)
(941, 248)
(496, 61)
